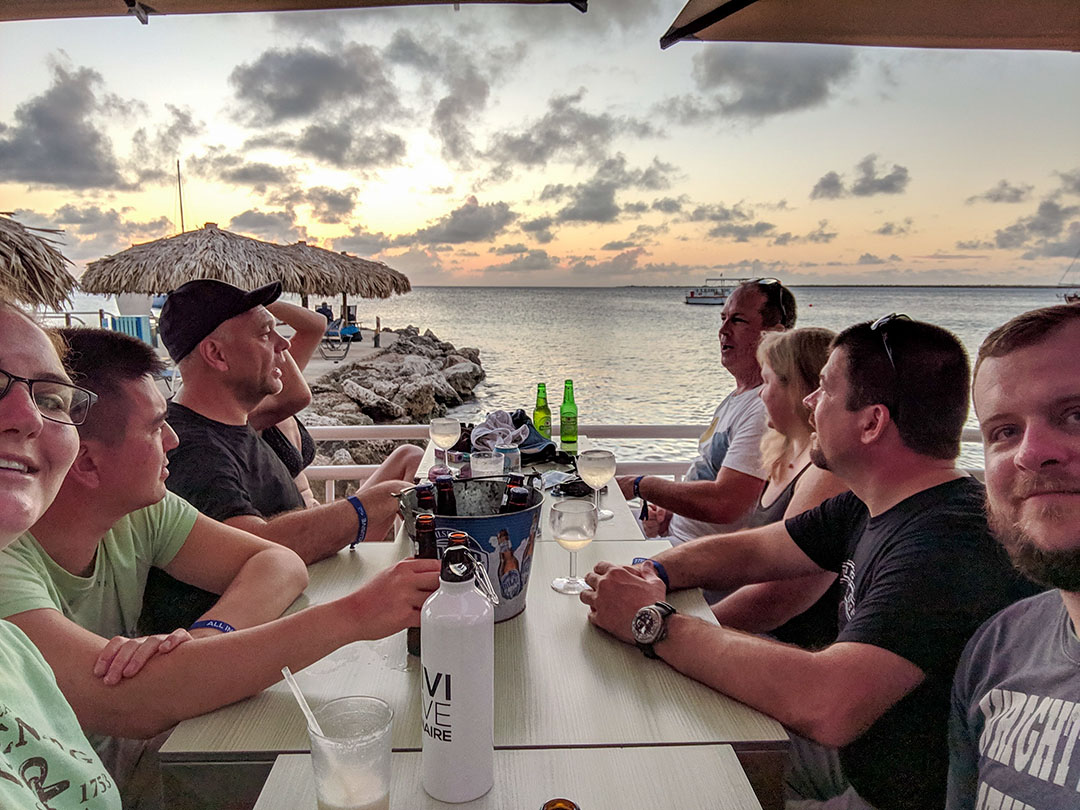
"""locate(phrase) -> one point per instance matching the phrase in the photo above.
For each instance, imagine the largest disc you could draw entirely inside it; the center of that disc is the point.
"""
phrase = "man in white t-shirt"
(723, 484)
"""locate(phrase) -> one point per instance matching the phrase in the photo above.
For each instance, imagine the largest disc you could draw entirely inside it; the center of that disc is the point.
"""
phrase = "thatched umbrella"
(165, 264)
(32, 271)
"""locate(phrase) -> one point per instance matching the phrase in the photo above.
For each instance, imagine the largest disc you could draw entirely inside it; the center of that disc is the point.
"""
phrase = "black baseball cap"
(194, 310)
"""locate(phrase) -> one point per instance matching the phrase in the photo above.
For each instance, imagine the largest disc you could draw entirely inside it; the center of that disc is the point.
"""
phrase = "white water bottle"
(457, 684)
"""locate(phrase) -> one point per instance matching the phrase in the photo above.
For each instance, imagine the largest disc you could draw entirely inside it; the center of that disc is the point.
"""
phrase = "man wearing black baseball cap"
(231, 358)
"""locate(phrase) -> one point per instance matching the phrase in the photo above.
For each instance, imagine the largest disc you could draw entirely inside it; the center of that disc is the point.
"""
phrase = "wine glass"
(596, 468)
(574, 526)
(444, 432)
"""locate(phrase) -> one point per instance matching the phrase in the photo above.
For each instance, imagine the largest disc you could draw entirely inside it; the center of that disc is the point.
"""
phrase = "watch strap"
(666, 611)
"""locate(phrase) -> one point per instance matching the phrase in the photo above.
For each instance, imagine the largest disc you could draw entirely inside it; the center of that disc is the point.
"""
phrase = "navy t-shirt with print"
(917, 580)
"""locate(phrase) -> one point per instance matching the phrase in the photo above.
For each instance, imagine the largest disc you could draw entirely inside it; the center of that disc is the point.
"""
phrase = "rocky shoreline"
(415, 378)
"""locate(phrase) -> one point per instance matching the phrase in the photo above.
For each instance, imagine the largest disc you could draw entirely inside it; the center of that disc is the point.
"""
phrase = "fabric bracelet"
(361, 516)
(643, 515)
(658, 567)
(213, 624)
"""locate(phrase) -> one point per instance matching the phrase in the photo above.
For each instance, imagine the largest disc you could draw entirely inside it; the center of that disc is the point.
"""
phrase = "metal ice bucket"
(504, 542)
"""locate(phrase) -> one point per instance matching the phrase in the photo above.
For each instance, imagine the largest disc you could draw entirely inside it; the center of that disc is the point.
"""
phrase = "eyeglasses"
(56, 401)
(768, 282)
(880, 326)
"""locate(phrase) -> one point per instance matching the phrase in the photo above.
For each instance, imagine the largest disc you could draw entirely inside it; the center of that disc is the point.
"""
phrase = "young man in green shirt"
(77, 578)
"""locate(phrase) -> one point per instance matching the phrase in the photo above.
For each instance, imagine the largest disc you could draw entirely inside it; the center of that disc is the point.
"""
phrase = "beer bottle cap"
(560, 804)
(444, 481)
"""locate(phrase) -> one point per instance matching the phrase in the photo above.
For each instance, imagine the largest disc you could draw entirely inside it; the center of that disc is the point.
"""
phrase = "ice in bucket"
(504, 541)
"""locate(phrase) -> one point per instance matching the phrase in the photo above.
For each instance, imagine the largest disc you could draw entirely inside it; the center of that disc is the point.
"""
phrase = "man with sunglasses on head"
(74, 583)
(722, 485)
(918, 567)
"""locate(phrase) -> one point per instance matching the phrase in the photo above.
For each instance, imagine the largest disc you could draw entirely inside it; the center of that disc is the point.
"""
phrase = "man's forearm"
(267, 584)
(207, 673)
(699, 500)
(784, 682)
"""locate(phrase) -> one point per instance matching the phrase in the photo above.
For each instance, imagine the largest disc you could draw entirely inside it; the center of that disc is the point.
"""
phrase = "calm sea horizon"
(640, 355)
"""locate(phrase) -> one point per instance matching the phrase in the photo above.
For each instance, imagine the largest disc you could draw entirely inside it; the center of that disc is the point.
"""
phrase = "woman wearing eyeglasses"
(45, 759)
(800, 611)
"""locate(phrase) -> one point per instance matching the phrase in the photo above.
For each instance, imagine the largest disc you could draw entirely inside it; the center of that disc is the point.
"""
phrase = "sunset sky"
(522, 145)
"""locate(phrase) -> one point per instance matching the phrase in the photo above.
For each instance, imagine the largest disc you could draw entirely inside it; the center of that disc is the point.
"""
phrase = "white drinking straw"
(291, 681)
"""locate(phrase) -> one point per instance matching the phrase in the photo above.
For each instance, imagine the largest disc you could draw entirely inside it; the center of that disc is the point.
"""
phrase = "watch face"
(647, 624)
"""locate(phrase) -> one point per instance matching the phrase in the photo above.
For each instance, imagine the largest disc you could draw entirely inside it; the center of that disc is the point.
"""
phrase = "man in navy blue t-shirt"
(919, 569)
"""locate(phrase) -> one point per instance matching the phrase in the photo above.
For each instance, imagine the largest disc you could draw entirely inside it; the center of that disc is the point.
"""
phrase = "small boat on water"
(715, 291)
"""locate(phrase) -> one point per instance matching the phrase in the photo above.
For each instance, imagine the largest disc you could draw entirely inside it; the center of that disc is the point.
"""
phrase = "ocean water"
(640, 355)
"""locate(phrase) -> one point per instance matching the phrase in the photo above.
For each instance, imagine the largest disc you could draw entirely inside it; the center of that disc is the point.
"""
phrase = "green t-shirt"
(45, 759)
(109, 600)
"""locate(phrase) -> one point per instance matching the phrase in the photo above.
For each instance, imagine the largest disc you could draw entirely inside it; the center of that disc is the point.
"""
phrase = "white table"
(559, 683)
(596, 778)
(623, 526)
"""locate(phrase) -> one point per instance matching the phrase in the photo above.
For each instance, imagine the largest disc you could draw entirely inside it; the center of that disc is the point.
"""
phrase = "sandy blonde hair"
(796, 357)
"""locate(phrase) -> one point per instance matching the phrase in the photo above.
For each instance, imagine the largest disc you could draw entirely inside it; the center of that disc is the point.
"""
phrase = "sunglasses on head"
(881, 326)
(769, 282)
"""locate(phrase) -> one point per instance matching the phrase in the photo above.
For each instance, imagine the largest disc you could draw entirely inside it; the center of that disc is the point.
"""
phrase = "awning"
(53, 9)
(991, 24)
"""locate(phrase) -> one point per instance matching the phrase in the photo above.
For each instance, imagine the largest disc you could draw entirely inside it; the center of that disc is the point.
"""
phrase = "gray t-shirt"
(1016, 712)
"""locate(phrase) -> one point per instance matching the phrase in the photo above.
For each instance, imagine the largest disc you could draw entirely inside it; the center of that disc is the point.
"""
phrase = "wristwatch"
(650, 626)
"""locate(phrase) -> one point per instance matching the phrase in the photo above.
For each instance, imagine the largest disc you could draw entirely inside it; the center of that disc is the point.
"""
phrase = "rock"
(429, 334)
(341, 457)
(443, 391)
(370, 402)
(470, 354)
(464, 377)
(417, 398)
(349, 407)
(323, 402)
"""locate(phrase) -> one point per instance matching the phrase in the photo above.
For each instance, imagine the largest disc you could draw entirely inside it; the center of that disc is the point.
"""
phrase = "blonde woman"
(799, 611)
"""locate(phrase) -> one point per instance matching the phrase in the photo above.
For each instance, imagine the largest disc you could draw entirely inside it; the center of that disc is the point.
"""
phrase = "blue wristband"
(637, 486)
(361, 516)
(660, 570)
(213, 624)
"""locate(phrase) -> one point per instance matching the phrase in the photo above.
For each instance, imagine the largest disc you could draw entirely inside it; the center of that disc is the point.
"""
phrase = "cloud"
(895, 228)
(331, 206)
(465, 76)
(1070, 181)
(471, 222)
(820, 235)
(870, 258)
(540, 228)
(152, 155)
(289, 84)
(363, 242)
(233, 169)
(565, 132)
(510, 250)
(1047, 222)
(669, 205)
(758, 81)
(532, 260)
(54, 140)
(345, 143)
(974, 244)
(829, 187)
(619, 245)
(741, 233)
(1003, 192)
(867, 183)
(273, 226)
(718, 212)
(594, 200)
(91, 231)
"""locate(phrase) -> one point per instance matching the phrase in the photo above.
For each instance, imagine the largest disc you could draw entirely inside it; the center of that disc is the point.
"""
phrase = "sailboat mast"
(180, 191)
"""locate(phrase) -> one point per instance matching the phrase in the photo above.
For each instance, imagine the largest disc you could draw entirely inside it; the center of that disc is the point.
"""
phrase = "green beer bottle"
(542, 413)
(568, 415)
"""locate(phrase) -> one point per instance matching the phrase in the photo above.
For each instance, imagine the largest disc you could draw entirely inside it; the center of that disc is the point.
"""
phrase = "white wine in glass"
(444, 433)
(596, 468)
(573, 524)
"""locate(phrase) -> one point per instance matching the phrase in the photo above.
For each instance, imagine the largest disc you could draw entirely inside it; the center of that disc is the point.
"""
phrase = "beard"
(1059, 568)
(817, 455)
